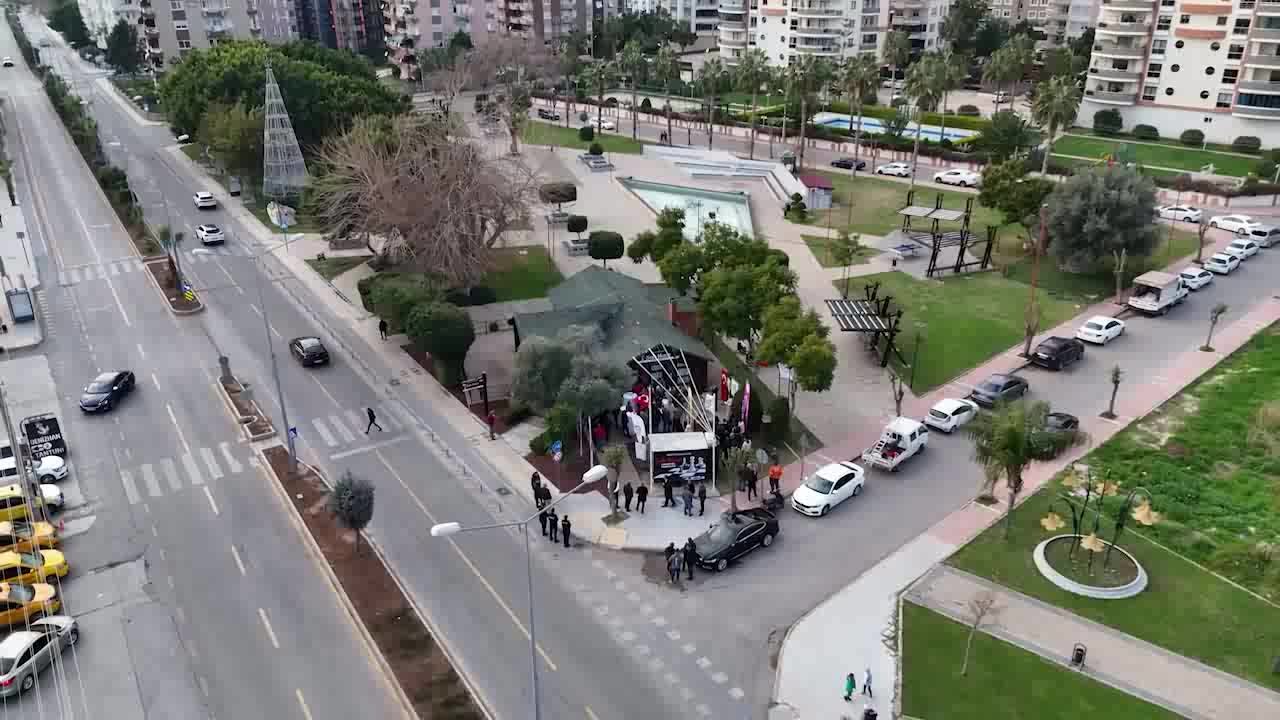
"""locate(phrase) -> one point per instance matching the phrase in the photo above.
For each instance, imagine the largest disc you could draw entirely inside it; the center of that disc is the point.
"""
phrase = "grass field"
(876, 203)
(331, 267)
(1169, 156)
(541, 133)
(1089, 287)
(521, 273)
(1004, 682)
(963, 321)
(1173, 142)
(819, 246)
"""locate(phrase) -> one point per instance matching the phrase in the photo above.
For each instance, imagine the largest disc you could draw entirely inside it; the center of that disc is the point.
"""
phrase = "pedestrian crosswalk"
(170, 476)
(347, 427)
(99, 271)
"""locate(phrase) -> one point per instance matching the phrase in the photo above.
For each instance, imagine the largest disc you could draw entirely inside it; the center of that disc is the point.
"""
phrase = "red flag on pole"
(724, 385)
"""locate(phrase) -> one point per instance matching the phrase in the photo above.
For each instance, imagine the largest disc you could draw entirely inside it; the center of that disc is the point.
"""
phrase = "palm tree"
(599, 75)
(749, 74)
(666, 67)
(897, 51)
(923, 86)
(633, 62)
(1054, 107)
(710, 79)
(569, 62)
(808, 75)
(1008, 64)
(859, 76)
(1013, 436)
(953, 69)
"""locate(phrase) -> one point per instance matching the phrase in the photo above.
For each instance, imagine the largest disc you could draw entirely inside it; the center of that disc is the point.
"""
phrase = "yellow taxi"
(13, 503)
(25, 536)
(19, 603)
(32, 567)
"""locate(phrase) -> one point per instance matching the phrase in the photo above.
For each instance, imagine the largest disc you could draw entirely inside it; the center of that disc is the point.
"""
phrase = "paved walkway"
(18, 265)
(1187, 687)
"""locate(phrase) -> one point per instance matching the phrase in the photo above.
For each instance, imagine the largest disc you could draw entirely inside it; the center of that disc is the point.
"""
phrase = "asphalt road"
(172, 477)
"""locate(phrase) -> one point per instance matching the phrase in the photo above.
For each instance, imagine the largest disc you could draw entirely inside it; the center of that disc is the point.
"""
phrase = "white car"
(8, 62)
(1185, 213)
(204, 200)
(949, 414)
(50, 468)
(210, 234)
(1100, 330)
(1239, 224)
(829, 486)
(963, 178)
(1221, 263)
(52, 496)
(608, 125)
(1196, 278)
(1243, 249)
(899, 169)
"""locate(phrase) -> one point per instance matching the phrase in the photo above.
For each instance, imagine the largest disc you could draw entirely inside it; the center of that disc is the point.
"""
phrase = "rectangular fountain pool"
(875, 126)
(700, 206)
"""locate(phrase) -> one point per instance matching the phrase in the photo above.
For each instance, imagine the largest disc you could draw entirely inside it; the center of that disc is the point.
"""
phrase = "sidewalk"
(1187, 687)
(811, 664)
(18, 261)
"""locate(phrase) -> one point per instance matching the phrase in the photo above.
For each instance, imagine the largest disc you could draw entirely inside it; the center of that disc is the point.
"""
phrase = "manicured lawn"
(305, 223)
(1169, 156)
(541, 133)
(331, 267)
(876, 203)
(1089, 287)
(1170, 141)
(1085, 164)
(822, 253)
(1004, 682)
(963, 320)
(522, 273)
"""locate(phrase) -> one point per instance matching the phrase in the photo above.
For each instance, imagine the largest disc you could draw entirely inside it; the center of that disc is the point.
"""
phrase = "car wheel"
(73, 637)
(1213, 224)
(857, 490)
(722, 564)
(28, 682)
(46, 479)
(106, 407)
(964, 184)
(767, 540)
(825, 509)
(1242, 232)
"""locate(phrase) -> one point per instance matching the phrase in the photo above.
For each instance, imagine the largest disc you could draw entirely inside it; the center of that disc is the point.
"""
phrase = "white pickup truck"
(1154, 293)
(902, 438)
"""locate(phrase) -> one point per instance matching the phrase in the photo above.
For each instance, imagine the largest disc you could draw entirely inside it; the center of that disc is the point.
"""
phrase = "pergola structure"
(935, 238)
(871, 316)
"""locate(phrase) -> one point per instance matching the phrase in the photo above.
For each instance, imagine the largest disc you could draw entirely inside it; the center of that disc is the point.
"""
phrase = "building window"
(1208, 70)
(1168, 91)
(1222, 19)
(1153, 70)
(1234, 52)
(1246, 4)
(184, 44)
(1168, 3)
(1149, 93)
(1184, 19)
(1180, 44)
(869, 39)
(1158, 46)
(180, 25)
(1224, 100)
(1242, 26)
(1175, 67)
(1230, 75)
(175, 4)
(1215, 46)
(437, 36)
(1163, 22)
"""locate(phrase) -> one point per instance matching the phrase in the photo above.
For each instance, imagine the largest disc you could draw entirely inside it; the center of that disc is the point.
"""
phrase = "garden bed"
(163, 278)
(543, 133)
(331, 267)
(821, 249)
(253, 422)
(420, 666)
(566, 474)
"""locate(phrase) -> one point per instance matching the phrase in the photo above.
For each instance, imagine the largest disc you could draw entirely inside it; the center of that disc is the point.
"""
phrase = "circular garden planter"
(1125, 579)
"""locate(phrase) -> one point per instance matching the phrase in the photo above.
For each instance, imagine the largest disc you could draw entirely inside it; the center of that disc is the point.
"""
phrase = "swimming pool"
(700, 206)
(875, 126)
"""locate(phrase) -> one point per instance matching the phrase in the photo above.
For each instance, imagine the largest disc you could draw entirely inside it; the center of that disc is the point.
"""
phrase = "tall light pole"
(595, 474)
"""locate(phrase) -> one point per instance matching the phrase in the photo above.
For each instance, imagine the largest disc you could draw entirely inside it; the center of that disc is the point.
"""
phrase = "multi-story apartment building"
(1180, 64)
(786, 29)
(1060, 20)
(170, 28)
(702, 16)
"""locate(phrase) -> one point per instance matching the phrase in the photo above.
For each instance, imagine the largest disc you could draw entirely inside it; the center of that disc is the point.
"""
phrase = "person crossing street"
(373, 422)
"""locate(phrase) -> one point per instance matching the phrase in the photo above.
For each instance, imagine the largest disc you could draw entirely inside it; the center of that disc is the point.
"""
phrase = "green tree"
(897, 51)
(859, 77)
(446, 332)
(1007, 65)
(1013, 436)
(1101, 213)
(951, 70)
(711, 80)
(1009, 135)
(66, 19)
(351, 503)
(235, 135)
(960, 27)
(544, 364)
(124, 49)
(460, 41)
(843, 251)
(1061, 62)
(785, 328)
(814, 364)
(749, 74)
(733, 299)
(605, 245)
(1055, 106)
(1215, 314)
(809, 74)
(924, 87)
(1007, 188)
(633, 62)
(992, 34)
(1083, 45)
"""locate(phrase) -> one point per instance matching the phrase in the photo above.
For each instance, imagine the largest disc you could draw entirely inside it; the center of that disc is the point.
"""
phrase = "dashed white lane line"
(659, 621)
(671, 678)
(616, 622)
(177, 428)
(656, 664)
(673, 635)
(627, 637)
(239, 563)
(142, 352)
(306, 711)
(689, 648)
(230, 459)
(209, 495)
(719, 678)
(703, 710)
(686, 694)
(633, 596)
(646, 609)
(736, 693)
(643, 650)
(271, 634)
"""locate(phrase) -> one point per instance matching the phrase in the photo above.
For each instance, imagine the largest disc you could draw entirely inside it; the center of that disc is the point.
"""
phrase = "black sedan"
(734, 536)
(545, 114)
(1056, 353)
(847, 163)
(1060, 421)
(309, 351)
(999, 388)
(106, 390)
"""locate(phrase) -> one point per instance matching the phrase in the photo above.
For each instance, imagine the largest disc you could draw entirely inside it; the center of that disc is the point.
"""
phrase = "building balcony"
(1110, 49)
(150, 31)
(816, 32)
(733, 6)
(1141, 27)
(1260, 60)
(1111, 98)
(823, 50)
(1114, 75)
(906, 4)
(1129, 5)
(1256, 113)
(154, 50)
(816, 11)
(733, 22)
(1268, 8)
(214, 7)
(1205, 8)
(732, 41)
(1265, 87)
(1265, 34)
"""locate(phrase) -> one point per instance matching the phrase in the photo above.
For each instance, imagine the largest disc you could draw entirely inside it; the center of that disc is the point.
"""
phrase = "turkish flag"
(724, 385)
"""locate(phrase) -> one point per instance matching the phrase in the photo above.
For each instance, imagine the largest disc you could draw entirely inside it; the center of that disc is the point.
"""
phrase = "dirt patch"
(419, 664)
(566, 474)
(1159, 427)
(164, 278)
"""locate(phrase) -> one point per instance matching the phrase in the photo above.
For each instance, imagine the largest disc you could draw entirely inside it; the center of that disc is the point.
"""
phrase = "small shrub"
(1108, 122)
(583, 116)
(646, 105)
(779, 422)
(969, 111)
(458, 296)
(1146, 132)
(1191, 137)
(586, 133)
(576, 224)
(482, 295)
(1247, 144)
(516, 415)
(538, 443)
(605, 245)
(595, 149)
(558, 193)
(395, 300)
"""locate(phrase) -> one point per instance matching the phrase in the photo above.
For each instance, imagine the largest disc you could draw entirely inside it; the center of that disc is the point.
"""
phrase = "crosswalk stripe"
(193, 468)
(347, 436)
(74, 274)
(398, 415)
(135, 264)
(232, 464)
(323, 432)
(100, 271)
(63, 279)
(171, 474)
(115, 269)
(149, 479)
(130, 490)
(386, 418)
(215, 472)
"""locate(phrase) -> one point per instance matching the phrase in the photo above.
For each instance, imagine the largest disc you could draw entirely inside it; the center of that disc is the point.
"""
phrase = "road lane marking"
(232, 465)
(98, 256)
(271, 634)
(171, 473)
(142, 352)
(230, 277)
(149, 479)
(239, 563)
(323, 432)
(356, 419)
(367, 448)
(193, 468)
(591, 715)
(155, 532)
(347, 435)
(155, 381)
(324, 389)
(386, 418)
(215, 472)
(115, 269)
(467, 561)
(177, 428)
(306, 711)
(212, 504)
(255, 309)
(130, 490)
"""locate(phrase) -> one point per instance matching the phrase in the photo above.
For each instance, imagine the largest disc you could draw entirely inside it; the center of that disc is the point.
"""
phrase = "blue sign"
(293, 433)
(556, 447)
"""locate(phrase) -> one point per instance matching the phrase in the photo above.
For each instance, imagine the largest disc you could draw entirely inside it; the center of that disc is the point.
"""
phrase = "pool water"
(874, 126)
(700, 206)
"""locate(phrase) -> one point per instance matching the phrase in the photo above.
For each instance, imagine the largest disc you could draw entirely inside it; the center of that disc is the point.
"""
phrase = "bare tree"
(979, 608)
(512, 64)
(1117, 374)
(450, 80)
(899, 390)
(1201, 229)
(1215, 314)
(439, 203)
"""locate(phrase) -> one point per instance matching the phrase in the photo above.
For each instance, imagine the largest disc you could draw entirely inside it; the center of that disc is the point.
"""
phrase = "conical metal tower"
(284, 172)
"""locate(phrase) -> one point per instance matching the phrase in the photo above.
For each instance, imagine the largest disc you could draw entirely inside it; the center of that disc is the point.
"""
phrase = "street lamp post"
(595, 474)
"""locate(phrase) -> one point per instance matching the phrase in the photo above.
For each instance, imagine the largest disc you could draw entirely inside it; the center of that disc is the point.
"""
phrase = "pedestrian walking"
(668, 551)
(702, 499)
(753, 485)
(668, 493)
(627, 493)
(543, 496)
(373, 421)
(535, 482)
(775, 476)
(598, 434)
(850, 685)
(565, 525)
(553, 524)
(642, 494)
(690, 552)
(542, 520)
(866, 684)
(492, 421)
(382, 328)
(673, 567)
(688, 499)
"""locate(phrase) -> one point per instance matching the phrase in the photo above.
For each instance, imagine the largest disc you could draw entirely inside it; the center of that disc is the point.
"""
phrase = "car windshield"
(1093, 325)
(989, 386)
(722, 534)
(822, 486)
(22, 529)
(99, 386)
(310, 343)
(31, 559)
(934, 412)
(21, 593)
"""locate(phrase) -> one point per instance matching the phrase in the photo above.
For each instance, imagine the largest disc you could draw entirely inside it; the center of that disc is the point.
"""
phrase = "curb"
(244, 421)
(155, 284)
